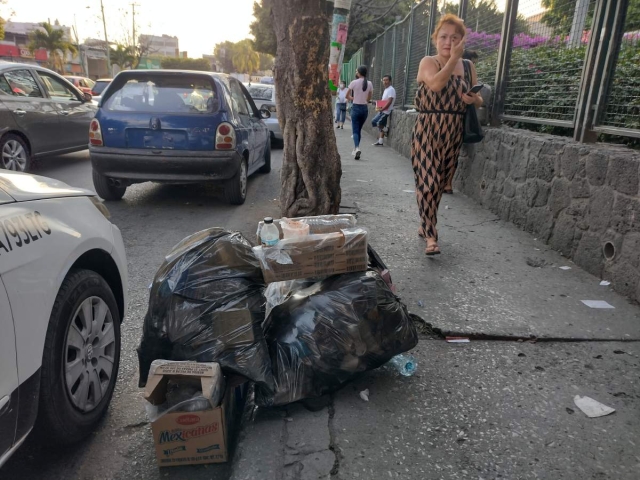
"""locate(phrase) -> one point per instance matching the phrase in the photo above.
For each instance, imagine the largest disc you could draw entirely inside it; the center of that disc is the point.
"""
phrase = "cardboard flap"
(162, 370)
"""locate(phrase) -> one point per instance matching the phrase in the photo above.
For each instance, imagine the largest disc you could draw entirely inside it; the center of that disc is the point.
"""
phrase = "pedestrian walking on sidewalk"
(341, 104)
(360, 93)
(384, 110)
(441, 101)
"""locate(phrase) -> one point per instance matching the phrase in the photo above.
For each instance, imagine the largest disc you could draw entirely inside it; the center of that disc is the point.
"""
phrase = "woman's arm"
(370, 95)
(473, 98)
(350, 95)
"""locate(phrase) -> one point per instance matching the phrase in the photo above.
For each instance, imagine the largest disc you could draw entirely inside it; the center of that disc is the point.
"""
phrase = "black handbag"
(472, 130)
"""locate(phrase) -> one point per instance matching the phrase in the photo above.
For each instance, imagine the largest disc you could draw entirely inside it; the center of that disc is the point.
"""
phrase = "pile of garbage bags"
(206, 304)
(296, 339)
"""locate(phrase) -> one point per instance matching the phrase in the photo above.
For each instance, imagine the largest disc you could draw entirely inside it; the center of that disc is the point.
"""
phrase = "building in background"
(160, 46)
(94, 56)
(15, 46)
(213, 61)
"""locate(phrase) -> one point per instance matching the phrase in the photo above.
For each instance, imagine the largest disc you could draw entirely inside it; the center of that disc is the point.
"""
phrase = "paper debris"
(592, 408)
(457, 340)
(446, 207)
(409, 191)
(565, 268)
(597, 304)
(604, 283)
(364, 395)
(363, 181)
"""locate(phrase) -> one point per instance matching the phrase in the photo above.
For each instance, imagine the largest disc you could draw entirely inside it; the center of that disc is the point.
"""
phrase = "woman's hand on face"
(470, 98)
(458, 50)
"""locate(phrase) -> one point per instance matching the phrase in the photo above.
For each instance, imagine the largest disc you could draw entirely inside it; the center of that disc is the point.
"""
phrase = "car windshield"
(260, 92)
(164, 94)
(99, 87)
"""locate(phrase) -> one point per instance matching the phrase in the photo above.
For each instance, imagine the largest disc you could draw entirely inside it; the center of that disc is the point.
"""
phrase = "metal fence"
(574, 64)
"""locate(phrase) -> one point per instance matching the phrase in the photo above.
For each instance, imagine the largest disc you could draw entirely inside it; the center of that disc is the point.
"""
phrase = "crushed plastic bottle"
(269, 235)
(405, 365)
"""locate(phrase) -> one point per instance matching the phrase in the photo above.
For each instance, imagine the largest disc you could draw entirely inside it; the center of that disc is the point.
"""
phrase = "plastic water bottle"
(406, 365)
(269, 235)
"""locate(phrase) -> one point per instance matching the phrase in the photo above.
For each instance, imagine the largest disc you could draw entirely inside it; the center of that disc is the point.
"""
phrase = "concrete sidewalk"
(482, 410)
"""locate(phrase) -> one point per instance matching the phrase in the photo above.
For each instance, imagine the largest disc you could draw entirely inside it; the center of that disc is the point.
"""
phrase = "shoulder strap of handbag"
(467, 72)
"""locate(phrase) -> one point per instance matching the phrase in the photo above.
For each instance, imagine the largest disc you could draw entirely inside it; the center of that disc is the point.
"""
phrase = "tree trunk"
(311, 168)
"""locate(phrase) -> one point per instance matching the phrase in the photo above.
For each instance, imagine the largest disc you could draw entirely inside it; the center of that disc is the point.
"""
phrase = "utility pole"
(133, 11)
(106, 40)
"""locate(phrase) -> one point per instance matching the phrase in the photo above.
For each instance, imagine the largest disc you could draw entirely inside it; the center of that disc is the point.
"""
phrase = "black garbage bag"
(324, 334)
(206, 304)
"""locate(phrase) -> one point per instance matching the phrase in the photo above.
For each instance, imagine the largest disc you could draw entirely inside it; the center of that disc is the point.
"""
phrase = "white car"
(63, 295)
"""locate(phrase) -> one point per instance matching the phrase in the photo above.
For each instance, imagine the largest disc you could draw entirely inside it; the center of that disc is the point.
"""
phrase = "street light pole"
(106, 40)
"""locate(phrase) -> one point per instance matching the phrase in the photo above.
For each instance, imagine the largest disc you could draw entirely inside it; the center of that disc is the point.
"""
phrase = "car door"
(32, 110)
(241, 105)
(260, 131)
(8, 363)
(75, 114)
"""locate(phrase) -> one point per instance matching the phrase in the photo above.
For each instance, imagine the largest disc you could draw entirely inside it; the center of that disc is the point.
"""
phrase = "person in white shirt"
(341, 104)
(385, 109)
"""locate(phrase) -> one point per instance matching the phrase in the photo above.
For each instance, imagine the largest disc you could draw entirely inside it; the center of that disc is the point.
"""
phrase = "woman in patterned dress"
(441, 102)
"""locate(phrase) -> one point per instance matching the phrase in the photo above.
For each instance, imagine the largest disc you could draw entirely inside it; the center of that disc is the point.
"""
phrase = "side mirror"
(87, 97)
(265, 113)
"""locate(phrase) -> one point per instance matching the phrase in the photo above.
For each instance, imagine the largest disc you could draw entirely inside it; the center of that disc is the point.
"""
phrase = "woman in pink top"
(360, 92)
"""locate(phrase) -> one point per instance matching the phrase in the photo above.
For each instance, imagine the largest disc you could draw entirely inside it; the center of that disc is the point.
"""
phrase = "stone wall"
(582, 200)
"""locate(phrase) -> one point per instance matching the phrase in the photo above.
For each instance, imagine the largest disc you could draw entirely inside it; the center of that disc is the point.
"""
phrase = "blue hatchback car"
(179, 127)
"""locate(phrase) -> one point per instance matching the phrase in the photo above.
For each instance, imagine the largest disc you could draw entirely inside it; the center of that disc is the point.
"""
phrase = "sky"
(198, 25)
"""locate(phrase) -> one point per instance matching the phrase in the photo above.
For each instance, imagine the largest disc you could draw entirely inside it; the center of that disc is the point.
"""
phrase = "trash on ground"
(536, 262)
(196, 430)
(592, 408)
(207, 305)
(319, 224)
(597, 304)
(315, 255)
(409, 191)
(605, 283)
(364, 395)
(405, 365)
(565, 268)
(457, 340)
(294, 228)
(322, 334)
(363, 181)
(446, 207)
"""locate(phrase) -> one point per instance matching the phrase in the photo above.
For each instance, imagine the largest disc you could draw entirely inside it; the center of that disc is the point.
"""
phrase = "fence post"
(599, 67)
(395, 48)
(504, 59)
(406, 64)
(433, 13)
(462, 9)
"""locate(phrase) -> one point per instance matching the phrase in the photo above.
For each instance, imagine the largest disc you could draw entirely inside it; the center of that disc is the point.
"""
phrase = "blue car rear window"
(164, 94)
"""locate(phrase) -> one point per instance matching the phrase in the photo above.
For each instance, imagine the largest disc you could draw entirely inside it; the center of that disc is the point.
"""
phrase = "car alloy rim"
(14, 156)
(243, 179)
(89, 354)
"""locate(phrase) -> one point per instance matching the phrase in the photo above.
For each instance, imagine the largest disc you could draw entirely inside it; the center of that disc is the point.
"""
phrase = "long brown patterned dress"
(437, 139)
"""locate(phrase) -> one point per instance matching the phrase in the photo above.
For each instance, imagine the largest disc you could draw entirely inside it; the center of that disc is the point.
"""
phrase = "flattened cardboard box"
(191, 438)
(316, 256)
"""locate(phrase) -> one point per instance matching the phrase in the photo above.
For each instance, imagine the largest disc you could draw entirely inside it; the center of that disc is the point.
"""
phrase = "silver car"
(264, 95)
(41, 113)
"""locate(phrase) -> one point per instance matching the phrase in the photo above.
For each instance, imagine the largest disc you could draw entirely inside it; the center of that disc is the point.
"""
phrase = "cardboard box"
(318, 225)
(314, 256)
(191, 438)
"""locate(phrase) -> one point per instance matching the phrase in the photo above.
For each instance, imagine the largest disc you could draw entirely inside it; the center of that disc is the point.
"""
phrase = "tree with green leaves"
(54, 41)
(559, 15)
(245, 59)
(176, 63)
(224, 54)
(484, 16)
(122, 56)
(368, 18)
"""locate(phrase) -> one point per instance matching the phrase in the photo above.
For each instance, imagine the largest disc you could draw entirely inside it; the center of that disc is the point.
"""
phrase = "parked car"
(265, 97)
(98, 88)
(63, 296)
(84, 84)
(41, 113)
(179, 127)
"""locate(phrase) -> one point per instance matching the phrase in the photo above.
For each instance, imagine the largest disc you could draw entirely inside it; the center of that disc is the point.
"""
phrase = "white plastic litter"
(565, 268)
(364, 395)
(408, 191)
(592, 408)
(604, 283)
(597, 304)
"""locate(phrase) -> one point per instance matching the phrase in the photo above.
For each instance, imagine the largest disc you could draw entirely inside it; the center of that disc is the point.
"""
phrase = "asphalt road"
(152, 218)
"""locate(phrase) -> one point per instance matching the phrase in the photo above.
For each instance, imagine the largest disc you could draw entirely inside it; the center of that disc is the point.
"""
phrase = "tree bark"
(311, 167)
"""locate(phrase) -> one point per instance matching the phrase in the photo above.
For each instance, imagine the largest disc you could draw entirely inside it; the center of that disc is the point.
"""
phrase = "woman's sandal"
(432, 250)
(448, 190)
